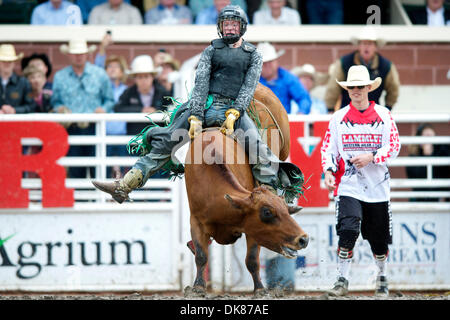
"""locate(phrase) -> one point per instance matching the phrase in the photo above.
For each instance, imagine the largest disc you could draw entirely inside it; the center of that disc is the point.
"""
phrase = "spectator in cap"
(116, 68)
(37, 79)
(368, 43)
(81, 87)
(41, 61)
(284, 84)
(41, 96)
(310, 78)
(15, 91)
(146, 95)
(168, 71)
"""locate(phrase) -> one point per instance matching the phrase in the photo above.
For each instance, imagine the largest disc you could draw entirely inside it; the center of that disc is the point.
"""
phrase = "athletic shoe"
(382, 287)
(340, 288)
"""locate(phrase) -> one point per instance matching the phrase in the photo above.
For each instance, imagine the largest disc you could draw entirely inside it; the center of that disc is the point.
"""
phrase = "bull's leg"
(200, 240)
(252, 263)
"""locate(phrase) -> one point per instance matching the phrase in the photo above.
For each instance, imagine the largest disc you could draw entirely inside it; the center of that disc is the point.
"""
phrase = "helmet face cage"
(233, 13)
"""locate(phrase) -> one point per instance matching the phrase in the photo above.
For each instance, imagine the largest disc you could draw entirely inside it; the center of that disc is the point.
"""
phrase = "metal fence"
(84, 190)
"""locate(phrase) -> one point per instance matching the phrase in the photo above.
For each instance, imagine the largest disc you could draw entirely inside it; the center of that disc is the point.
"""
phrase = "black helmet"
(231, 12)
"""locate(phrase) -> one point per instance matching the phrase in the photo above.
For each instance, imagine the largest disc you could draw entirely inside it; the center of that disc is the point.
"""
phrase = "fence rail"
(84, 190)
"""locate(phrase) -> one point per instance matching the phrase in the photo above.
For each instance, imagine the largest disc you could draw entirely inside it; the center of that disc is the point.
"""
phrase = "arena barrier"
(67, 236)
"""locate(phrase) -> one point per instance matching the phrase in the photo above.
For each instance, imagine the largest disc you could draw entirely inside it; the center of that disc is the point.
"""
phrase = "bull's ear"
(237, 202)
(294, 209)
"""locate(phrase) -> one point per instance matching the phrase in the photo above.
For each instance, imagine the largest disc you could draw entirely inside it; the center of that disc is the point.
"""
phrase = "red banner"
(14, 163)
(310, 164)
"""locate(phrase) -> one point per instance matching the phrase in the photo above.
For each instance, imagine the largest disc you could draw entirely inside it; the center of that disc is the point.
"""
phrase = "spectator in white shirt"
(56, 12)
(434, 14)
(115, 12)
(277, 13)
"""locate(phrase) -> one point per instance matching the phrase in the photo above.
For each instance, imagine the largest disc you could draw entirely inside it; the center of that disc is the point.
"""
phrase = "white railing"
(85, 191)
(402, 161)
(150, 34)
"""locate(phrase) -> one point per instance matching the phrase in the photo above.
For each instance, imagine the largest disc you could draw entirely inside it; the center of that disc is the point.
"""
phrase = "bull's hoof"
(261, 293)
(194, 292)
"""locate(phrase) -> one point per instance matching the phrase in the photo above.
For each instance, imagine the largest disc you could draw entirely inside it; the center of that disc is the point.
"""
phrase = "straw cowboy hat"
(8, 53)
(368, 33)
(77, 46)
(359, 76)
(307, 69)
(167, 58)
(32, 70)
(268, 51)
(142, 64)
(122, 63)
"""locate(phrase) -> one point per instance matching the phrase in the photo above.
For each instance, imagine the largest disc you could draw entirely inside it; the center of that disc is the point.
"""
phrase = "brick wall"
(417, 63)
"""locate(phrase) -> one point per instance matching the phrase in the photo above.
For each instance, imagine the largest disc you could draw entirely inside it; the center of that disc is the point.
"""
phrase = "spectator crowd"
(175, 12)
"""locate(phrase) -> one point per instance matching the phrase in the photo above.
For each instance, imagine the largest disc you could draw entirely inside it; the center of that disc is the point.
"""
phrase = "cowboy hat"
(368, 33)
(142, 64)
(8, 53)
(307, 69)
(41, 56)
(77, 46)
(268, 51)
(359, 76)
(32, 70)
(122, 63)
(167, 58)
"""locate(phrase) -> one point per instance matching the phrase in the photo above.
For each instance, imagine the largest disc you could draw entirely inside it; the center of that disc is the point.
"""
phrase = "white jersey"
(350, 133)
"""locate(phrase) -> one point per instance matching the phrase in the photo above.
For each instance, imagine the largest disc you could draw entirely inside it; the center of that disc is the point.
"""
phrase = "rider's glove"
(228, 125)
(196, 127)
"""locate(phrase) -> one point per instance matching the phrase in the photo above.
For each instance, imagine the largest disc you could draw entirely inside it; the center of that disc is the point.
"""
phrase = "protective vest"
(384, 66)
(228, 68)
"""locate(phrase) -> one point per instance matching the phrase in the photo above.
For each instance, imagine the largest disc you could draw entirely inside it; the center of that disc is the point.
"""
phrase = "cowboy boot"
(119, 189)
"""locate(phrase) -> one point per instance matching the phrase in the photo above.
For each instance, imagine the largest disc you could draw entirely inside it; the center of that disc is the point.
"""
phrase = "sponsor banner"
(419, 256)
(94, 251)
(88, 251)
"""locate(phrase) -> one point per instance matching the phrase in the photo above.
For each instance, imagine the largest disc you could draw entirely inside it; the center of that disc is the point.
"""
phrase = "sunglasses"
(353, 87)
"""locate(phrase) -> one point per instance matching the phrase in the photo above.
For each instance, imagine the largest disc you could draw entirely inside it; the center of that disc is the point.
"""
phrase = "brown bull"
(224, 203)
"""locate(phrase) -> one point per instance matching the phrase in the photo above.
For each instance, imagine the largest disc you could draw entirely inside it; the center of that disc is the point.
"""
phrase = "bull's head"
(268, 221)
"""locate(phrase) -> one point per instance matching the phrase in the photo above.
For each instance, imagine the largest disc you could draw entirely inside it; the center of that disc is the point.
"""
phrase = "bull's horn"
(237, 202)
(231, 200)
(294, 209)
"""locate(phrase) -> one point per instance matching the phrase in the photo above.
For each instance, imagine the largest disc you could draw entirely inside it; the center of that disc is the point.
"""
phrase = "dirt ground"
(273, 295)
